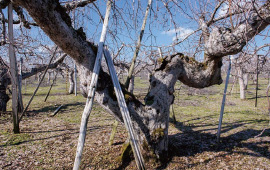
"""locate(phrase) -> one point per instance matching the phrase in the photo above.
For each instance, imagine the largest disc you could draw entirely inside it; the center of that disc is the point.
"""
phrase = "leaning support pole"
(135, 55)
(125, 113)
(91, 92)
(115, 123)
(223, 102)
(56, 111)
(138, 46)
(51, 87)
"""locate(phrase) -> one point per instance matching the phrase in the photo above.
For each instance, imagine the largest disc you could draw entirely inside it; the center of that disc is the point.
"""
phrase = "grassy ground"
(50, 142)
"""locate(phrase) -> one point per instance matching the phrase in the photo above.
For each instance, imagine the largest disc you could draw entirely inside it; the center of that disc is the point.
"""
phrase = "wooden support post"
(114, 129)
(56, 111)
(91, 92)
(14, 72)
(223, 102)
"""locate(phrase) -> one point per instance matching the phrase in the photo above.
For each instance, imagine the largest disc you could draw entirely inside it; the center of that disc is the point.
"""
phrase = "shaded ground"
(50, 142)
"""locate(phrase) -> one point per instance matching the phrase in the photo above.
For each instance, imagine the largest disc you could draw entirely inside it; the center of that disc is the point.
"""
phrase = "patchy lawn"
(50, 142)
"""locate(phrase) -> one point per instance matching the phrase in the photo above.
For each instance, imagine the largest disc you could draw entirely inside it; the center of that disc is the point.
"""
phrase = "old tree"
(150, 119)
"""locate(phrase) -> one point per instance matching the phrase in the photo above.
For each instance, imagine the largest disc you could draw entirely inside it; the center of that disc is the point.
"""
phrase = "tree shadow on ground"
(49, 109)
(69, 131)
(189, 142)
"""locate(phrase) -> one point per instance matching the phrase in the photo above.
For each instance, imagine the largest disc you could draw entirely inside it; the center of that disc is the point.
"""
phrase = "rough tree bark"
(71, 81)
(131, 84)
(4, 81)
(241, 83)
(246, 77)
(151, 118)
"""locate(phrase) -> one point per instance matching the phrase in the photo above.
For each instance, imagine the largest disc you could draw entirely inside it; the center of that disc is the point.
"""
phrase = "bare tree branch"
(19, 12)
(215, 11)
(34, 71)
(4, 3)
(76, 4)
(223, 41)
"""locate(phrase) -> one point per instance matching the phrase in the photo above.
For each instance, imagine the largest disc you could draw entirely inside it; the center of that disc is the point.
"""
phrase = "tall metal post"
(92, 90)
(125, 113)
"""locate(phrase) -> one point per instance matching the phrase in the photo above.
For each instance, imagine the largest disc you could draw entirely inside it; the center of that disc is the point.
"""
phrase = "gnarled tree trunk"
(150, 119)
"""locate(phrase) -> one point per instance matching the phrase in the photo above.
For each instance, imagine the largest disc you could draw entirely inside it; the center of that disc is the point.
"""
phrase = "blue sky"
(160, 29)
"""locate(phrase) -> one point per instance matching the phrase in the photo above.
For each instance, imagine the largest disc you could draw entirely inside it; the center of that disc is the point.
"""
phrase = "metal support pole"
(125, 113)
(51, 87)
(91, 92)
(223, 102)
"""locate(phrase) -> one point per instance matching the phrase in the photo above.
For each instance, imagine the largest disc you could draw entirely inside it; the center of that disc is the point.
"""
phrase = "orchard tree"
(151, 119)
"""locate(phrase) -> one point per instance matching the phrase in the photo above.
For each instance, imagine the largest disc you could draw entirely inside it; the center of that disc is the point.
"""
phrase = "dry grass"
(50, 142)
